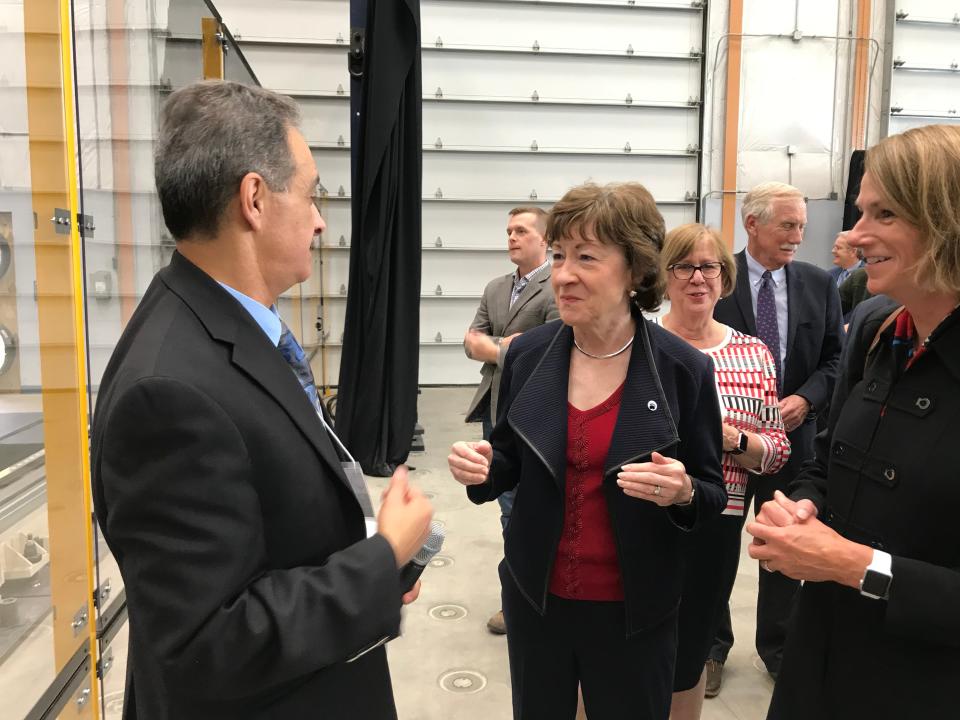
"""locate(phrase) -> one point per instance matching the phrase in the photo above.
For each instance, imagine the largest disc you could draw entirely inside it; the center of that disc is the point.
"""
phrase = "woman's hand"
(809, 550)
(731, 437)
(470, 462)
(663, 481)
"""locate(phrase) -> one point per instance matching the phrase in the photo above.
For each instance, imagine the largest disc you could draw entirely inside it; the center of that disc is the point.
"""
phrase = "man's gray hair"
(759, 201)
(213, 133)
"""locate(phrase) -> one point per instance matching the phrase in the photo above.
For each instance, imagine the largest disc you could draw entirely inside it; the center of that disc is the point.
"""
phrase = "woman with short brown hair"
(610, 431)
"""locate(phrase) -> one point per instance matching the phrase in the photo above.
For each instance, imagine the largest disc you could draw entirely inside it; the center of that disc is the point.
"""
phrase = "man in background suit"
(794, 308)
(845, 259)
(219, 485)
(510, 305)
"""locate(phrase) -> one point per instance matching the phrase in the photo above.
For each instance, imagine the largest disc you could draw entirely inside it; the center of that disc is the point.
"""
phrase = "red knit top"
(586, 566)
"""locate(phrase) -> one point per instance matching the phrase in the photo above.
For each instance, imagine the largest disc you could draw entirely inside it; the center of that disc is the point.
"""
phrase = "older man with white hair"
(794, 308)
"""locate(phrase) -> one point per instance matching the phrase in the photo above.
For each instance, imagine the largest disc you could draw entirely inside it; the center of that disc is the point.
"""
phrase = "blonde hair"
(682, 240)
(620, 214)
(759, 201)
(918, 174)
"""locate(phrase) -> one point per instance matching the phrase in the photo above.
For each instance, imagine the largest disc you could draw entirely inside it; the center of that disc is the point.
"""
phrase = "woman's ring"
(656, 491)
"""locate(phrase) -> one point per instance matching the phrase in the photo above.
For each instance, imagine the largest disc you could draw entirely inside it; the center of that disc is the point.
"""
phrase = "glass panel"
(121, 58)
(114, 659)
(81, 704)
(44, 563)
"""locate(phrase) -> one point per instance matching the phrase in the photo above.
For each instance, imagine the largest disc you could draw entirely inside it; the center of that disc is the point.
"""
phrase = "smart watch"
(876, 580)
(741, 447)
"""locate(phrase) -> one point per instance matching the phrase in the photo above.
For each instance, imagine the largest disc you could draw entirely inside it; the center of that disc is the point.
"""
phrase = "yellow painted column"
(861, 76)
(50, 109)
(212, 49)
(731, 132)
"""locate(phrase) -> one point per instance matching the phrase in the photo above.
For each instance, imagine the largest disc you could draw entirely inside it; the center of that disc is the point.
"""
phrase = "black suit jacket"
(248, 575)
(669, 404)
(814, 342)
(885, 475)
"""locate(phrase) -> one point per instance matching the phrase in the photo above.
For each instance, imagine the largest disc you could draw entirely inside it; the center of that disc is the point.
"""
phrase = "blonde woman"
(870, 525)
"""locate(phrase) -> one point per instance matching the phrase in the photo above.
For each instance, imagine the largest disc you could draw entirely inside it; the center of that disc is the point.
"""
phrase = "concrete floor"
(450, 640)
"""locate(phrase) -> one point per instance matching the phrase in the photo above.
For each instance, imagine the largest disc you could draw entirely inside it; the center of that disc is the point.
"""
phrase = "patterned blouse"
(746, 380)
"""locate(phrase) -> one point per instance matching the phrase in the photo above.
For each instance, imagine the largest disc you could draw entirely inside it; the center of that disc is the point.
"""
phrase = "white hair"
(759, 201)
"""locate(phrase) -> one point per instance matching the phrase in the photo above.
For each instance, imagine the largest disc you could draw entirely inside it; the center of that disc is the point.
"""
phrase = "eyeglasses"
(685, 271)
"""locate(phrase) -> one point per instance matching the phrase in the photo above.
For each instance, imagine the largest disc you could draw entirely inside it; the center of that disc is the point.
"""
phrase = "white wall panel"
(552, 175)
(503, 125)
(286, 19)
(924, 76)
(334, 169)
(296, 68)
(509, 24)
(561, 76)
(325, 120)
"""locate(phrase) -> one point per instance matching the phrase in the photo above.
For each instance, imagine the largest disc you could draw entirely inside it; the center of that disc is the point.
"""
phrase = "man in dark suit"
(845, 259)
(794, 308)
(252, 580)
(511, 304)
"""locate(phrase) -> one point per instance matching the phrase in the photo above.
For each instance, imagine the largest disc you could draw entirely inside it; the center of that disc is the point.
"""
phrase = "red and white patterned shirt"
(746, 378)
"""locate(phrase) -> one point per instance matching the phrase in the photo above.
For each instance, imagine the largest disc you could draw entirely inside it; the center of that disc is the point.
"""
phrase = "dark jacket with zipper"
(669, 405)
(885, 475)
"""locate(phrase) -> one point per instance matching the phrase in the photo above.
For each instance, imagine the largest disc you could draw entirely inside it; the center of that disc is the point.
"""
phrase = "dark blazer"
(497, 318)
(853, 291)
(814, 341)
(885, 475)
(249, 580)
(669, 404)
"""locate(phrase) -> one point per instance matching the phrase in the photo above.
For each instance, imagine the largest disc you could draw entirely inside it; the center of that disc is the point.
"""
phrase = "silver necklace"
(603, 357)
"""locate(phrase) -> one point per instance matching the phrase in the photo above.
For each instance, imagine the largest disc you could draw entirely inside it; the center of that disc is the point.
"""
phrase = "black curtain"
(377, 396)
(850, 212)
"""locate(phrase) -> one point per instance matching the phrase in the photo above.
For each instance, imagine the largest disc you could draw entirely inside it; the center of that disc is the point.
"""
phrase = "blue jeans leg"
(506, 499)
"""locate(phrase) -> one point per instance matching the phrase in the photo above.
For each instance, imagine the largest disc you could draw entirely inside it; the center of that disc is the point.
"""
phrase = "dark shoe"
(714, 678)
(496, 624)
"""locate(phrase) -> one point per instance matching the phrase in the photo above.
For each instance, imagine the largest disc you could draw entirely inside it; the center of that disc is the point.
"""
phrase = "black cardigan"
(669, 405)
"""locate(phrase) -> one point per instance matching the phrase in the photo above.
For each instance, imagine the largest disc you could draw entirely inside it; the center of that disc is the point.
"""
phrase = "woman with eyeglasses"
(700, 270)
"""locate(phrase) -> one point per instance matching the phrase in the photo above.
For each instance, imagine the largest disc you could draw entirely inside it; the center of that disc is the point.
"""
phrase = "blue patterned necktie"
(297, 359)
(767, 328)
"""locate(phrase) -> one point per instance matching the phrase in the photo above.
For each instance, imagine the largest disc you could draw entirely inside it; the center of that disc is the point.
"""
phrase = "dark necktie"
(767, 328)
(297, 359)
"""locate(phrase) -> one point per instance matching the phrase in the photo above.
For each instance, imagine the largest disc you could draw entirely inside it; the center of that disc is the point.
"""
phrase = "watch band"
(875, 583)
(744, 440)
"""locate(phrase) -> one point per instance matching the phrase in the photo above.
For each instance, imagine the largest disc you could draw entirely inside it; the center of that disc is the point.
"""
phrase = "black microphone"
(411, 572)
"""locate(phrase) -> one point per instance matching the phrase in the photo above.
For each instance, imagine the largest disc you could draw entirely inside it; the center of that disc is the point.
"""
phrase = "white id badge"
(359, 486)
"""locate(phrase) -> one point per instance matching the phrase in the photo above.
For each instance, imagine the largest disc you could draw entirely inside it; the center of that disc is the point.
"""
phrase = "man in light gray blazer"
(510, 305)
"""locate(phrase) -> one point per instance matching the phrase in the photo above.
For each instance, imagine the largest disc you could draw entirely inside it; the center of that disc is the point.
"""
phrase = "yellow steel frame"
(51, 91)
(80, 354)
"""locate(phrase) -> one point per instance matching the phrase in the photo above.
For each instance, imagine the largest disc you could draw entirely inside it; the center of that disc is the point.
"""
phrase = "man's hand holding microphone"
(404, 520)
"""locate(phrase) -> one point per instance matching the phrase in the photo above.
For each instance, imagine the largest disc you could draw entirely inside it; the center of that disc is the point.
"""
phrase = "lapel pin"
(652, 405)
